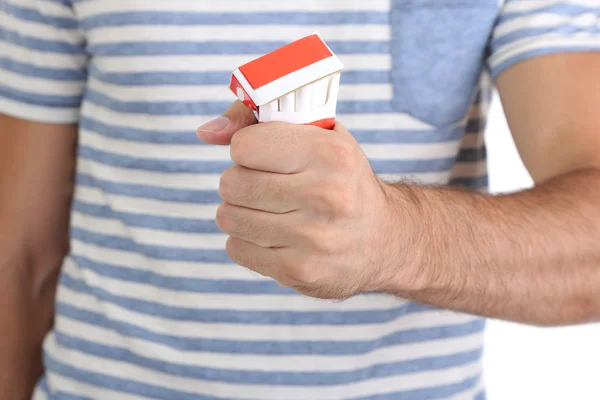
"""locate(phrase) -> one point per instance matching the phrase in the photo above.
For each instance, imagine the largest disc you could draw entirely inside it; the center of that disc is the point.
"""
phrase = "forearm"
(532, 257)
(27, 312)
(37, 164)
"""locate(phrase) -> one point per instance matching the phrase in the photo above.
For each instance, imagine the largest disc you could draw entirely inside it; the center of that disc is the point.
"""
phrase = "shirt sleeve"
(530, 28)
(42, 60)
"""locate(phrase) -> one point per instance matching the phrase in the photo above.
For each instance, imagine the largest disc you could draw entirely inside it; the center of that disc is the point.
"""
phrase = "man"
(100, 99)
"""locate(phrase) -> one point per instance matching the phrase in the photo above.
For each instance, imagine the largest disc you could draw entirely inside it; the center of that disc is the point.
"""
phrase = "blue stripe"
(286, 347)
(154, 251)
(481, 396)
(226, 47)
(118, 384)
(188, 225)
(216, 167)
(428, 393)
(215, 77)
(43, 385)
(498, 69)
(182, 284)
(528, 33)
(33, 43)
(157, 392)
(257, 18)
(150, 192)
(557, 9)
(476, 125)
(362, 136)
(57, 74)
(479, 182)
(67, 396)
(214, 107)
(34, 15)
(44, 100)
(282, 378)
(155, 165)
(235, 316)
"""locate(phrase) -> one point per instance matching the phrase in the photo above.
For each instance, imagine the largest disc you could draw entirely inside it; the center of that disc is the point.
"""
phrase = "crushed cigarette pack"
(297, 83)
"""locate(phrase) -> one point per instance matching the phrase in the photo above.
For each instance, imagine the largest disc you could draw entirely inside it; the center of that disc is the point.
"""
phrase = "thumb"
(220, 130)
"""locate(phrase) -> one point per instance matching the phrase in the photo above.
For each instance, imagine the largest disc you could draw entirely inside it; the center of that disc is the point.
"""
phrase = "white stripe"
(40, 86)
(220, 92)
(546, 20)
(162, 151)
(469, 394)
(68, 385)
(178, 269)
(297, 79)
(165, 180)
(47, 8)
(224, 331)
(170, 123)
(42, 58)
(238, 33)
(270, 363)
(231, 301)
(211, 181)
(38, 113)
(138, 205)
(226, 63)
(511, 7)
(384, 151)
(469, 170)
(38, 30)
(459, 170)
(472, 141)
(146, 236)
(569, 43)
(87, 9)
(39, 394)
(123, 370)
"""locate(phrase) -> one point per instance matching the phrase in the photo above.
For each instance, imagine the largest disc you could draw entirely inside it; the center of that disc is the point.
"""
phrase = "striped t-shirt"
(149, 306)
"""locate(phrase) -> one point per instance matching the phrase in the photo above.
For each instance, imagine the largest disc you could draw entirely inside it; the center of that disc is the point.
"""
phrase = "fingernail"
(216, 125)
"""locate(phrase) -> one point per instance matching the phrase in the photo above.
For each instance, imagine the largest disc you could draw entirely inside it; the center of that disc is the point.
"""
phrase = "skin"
(37, 163)
(303, 206)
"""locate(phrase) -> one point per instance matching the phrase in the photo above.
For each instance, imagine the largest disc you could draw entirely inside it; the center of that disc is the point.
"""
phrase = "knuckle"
(231, 249)
(338, 200)
(326, 240)
(241, 146)
(221, 217)
(340, 153)
(226, 185)
(305, 272)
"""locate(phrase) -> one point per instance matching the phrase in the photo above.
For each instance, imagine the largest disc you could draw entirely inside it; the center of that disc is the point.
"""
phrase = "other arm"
(534, 256)
(37, 163)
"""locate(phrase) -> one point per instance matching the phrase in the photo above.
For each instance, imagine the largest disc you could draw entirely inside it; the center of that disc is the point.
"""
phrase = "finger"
(265, 261)
(277, 146)
(220, 130)
(258, 227)
(259, 190)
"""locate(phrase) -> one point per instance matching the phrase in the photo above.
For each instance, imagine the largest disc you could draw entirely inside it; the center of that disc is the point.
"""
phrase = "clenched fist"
(303, 206)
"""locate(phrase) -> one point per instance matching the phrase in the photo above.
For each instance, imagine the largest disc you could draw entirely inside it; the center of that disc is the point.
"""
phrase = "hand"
(303, 206)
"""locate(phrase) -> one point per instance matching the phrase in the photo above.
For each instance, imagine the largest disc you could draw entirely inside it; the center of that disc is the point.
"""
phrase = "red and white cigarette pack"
(297, 83)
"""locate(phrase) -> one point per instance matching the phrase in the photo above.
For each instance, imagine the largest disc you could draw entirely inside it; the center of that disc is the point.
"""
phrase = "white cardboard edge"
(256, 98)
(297, 79)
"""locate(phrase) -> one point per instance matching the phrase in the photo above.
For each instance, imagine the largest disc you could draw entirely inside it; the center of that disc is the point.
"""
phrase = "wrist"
(407, 229)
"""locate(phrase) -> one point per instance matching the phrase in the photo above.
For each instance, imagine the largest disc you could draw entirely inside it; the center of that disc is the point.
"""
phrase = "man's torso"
(149, 306)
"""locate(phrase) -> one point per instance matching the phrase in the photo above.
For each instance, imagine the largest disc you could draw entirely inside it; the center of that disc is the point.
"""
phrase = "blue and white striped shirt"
(149, 306)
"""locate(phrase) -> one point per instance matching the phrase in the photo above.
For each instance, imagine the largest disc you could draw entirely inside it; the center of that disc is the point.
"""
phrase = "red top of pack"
(284, 70)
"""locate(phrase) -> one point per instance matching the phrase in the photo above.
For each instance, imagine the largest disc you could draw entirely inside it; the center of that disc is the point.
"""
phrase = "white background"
(527, 363)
